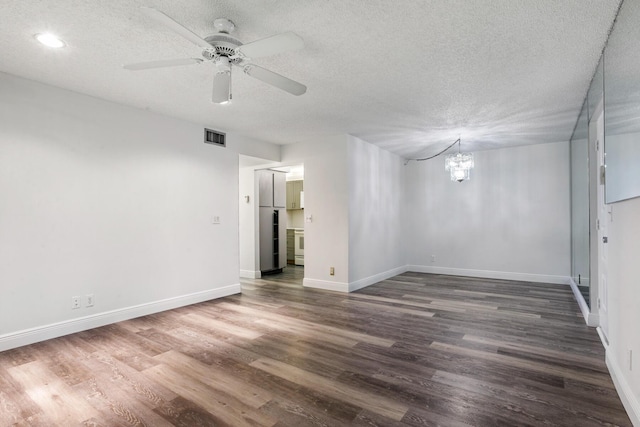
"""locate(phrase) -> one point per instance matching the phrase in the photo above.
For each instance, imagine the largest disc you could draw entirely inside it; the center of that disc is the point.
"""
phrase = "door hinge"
(603, 170)
(598, 224)
(598, 302)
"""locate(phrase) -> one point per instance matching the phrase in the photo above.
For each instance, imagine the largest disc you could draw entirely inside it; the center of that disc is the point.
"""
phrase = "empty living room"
(222, 213)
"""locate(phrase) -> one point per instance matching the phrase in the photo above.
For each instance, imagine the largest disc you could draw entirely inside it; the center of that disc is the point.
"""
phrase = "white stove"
(298, 246)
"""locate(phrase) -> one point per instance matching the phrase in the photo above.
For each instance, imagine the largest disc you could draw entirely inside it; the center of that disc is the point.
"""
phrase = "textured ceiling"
(410, 76)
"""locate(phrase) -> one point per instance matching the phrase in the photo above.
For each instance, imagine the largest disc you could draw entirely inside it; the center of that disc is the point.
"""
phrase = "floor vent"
(214, 137)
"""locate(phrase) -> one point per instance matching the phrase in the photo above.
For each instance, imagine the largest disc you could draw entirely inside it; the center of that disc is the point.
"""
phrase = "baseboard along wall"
(46, 332)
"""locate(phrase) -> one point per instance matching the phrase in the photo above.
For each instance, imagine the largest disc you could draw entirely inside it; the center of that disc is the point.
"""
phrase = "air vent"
(214, 137)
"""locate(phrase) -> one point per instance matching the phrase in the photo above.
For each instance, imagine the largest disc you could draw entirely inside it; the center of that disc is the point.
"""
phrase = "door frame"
(601, 231)
(598, 222)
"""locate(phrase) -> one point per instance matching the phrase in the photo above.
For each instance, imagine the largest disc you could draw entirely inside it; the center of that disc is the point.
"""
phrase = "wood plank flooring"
(414, 350)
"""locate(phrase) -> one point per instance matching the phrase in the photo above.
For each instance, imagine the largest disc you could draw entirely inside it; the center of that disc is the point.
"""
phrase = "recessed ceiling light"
(50, 40)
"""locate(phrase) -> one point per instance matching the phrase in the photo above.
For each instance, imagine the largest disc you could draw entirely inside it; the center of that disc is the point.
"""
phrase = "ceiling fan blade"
(162, 63)
(221, 88)
(175, 26)
(271, 45)
(275, 79)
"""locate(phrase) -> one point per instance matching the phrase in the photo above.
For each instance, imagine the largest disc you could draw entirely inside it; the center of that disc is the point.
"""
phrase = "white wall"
(253, 150)
(326, 199)
(624, 302)
(623, 173)
(511, 220)
(295, 218)
(376, 206)
(102, 199)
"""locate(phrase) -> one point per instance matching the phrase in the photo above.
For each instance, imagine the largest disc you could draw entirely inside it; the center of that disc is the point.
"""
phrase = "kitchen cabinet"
(265, 188)
(272, 189)
(279, 190)
(273, 245)
(272, 199)
(290, 246)
(293, 194)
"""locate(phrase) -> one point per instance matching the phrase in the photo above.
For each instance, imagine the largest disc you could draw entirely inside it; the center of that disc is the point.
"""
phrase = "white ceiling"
(408, 75)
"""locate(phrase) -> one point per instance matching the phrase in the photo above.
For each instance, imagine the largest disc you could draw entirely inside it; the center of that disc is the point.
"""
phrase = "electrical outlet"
(88, 300)
(433, 258)
(75, 303)
(332, 271)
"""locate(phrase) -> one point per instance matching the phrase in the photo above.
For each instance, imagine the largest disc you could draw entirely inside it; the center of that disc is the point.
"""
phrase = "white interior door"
(602, 225)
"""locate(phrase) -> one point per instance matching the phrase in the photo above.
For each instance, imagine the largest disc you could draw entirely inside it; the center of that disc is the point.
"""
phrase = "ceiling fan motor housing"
(222, 45)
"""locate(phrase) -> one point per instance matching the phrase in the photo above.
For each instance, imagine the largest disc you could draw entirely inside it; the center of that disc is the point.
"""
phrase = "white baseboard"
(592, 319)
(368, 281)
(352, 286)
(54, 330)
(250, 274)
(488, 274)
(629, 400)
(326, 285)
(603, 338)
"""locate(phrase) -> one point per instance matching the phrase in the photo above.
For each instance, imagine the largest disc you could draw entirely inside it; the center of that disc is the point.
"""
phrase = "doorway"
(249, 224)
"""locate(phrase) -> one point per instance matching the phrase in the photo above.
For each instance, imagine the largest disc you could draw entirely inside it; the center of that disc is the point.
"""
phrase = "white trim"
(629, 400)
(590, 318)
(593, 320)
(326, 285)
(250, 274)
(488, 274)
(368, 281)
(54, 330)
(603, 338)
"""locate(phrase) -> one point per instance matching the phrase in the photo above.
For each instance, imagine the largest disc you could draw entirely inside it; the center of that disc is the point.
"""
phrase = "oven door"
(299, 247)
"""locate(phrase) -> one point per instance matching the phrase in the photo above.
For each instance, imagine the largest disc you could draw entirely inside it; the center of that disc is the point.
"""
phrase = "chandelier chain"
(457, 141)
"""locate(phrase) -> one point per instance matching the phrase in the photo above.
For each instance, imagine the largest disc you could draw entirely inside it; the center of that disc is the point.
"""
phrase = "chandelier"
(459, 165)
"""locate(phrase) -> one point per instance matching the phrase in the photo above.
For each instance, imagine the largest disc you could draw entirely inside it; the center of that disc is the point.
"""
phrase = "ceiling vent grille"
(214, 137)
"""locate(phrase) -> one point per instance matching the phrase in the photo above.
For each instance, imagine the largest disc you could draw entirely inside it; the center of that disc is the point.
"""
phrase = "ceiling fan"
(224, 51)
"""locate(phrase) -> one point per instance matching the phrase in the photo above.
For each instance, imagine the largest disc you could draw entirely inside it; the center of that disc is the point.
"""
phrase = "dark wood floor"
(416, 350)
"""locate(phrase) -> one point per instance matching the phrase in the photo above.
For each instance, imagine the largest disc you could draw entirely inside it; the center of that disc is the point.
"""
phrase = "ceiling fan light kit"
(222, 81)
(225, 51)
